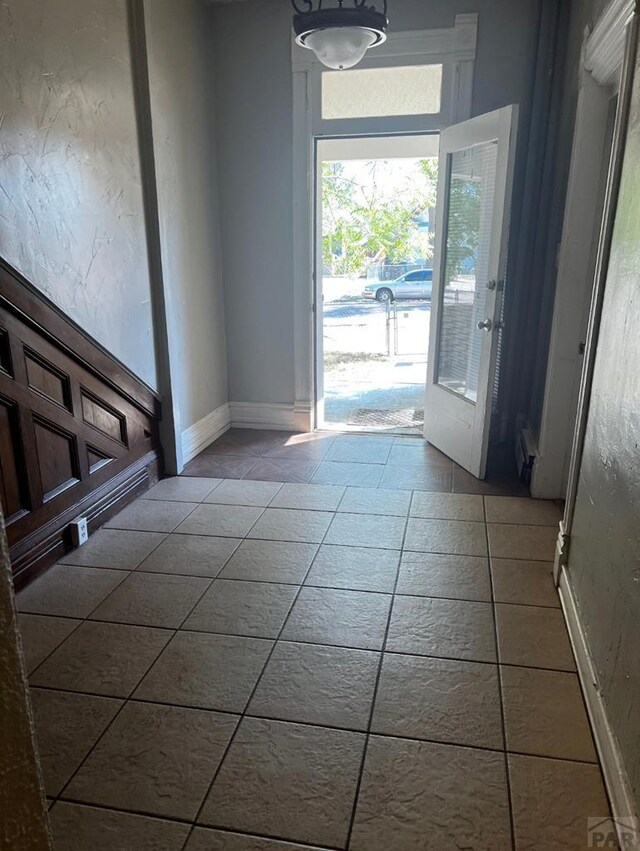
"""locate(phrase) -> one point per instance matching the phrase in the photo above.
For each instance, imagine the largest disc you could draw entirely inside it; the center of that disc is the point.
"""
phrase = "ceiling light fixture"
(341, 35)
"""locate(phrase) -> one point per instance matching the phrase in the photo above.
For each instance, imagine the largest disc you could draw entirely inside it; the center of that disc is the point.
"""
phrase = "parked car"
(416, 284)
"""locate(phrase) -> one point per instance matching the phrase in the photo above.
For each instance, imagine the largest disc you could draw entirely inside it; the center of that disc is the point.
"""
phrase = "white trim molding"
(615, 776)
(261, 415)
(604, 49)
(198, 436)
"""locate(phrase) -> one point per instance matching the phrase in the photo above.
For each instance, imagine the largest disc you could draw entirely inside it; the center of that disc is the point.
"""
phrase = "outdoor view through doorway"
(376, 211)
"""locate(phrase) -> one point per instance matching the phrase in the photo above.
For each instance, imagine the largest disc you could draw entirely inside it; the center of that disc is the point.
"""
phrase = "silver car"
(416, 284)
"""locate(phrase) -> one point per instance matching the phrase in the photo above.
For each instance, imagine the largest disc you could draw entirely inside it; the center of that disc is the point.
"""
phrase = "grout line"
(340, 646)
(243, 714)
(125, 701)
(374, 697)
(501, 703)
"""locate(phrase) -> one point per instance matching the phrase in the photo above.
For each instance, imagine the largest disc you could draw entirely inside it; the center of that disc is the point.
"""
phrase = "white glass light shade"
(340, 47)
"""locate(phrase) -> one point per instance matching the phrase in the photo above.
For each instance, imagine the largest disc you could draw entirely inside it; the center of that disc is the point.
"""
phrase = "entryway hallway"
(262, 655)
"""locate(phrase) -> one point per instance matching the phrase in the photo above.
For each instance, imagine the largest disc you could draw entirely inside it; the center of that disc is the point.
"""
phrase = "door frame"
(617, 33)
(347, 147)
(455, 49)
(599, 80)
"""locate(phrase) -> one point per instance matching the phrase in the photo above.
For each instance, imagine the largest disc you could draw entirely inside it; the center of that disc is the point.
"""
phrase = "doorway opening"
(376, 201)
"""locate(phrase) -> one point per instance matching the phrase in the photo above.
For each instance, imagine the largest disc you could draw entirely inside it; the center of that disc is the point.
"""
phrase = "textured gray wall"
(71, 214)
(254, 134)
(604, 560)
(181, 88)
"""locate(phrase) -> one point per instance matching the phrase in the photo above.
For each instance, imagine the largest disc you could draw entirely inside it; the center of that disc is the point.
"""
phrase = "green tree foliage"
(463, 221)
(362, 224)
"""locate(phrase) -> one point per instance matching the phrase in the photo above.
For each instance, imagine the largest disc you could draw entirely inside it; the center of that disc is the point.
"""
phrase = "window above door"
(367, 92)
(415, 82)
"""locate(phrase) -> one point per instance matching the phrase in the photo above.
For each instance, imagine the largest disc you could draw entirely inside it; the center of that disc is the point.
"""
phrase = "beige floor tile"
(544, 714)
(271, 561)
(68, 591)
(152, 599)
(437, 575)
(376, 501)
(533, 543)
(220, 466)
(282, 470)
(355, 568)
(447, 506)
(314, 684)
(346, 618)
(118, 549)
(348, 474)
(441, 700)
(67, 727)
(155, 759)
(454, 537)
(182, 489)
(416, 796)
(364, 530)
(288, 781)
(419, 477)
(41, 635)
(243, 608)
(244, 492)
(205, 839)
(453, 629)
(148, 515)
(285, 524)
(552, 801)
(102, 658)
(520, 510)
(311, 497)
(420, 454)
(77, 827)
(527, 583)
(206, 671)
(533, 637)
(361, 451)
(227, 521)
(191, 555)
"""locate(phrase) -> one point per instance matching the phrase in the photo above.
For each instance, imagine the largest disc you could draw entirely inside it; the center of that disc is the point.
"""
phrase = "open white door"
(472, 230)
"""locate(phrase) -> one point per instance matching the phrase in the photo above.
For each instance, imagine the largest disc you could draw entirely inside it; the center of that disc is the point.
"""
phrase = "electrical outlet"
(79, 531)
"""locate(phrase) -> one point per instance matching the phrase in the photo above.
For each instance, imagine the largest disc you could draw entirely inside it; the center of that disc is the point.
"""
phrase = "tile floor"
(240, 664)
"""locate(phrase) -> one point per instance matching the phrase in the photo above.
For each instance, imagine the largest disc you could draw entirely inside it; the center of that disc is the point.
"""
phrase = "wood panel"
(78, 432)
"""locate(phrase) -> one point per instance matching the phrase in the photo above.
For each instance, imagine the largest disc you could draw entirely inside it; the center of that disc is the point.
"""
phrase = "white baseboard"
(259, 415)
(270, 415)
(205, 431)
(615, 776)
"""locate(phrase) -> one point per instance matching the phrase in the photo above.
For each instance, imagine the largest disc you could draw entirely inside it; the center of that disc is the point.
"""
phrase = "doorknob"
(485, 326)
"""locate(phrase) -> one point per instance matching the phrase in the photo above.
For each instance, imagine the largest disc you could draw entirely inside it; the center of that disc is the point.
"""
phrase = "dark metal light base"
(362, 17)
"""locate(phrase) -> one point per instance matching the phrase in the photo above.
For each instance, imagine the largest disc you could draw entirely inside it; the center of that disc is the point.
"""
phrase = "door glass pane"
(470, 195)
(370, 92)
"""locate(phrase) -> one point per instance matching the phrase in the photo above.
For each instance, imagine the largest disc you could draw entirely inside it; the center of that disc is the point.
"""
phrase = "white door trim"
(613, 769)
(455, 48)
(604, 48)
(599, 75)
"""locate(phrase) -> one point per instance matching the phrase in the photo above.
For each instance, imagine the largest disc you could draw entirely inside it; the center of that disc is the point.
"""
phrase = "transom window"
(369, 92)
